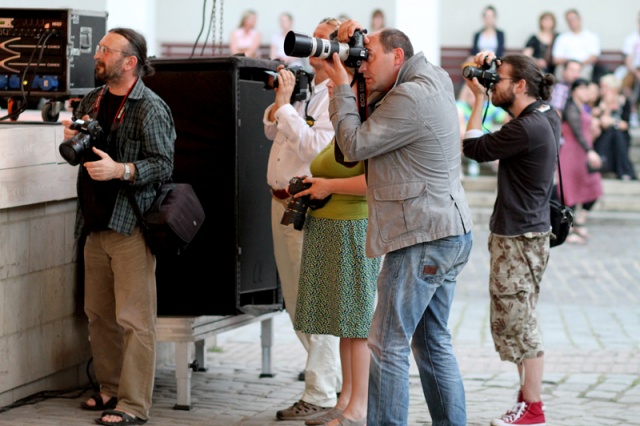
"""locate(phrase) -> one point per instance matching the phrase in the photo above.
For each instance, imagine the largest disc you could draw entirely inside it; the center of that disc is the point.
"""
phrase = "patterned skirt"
(337, 286)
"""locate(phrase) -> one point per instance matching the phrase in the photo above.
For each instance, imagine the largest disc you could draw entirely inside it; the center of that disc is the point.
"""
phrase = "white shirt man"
(631, 50)
(299, 131)
(630, 72)
(579, 44)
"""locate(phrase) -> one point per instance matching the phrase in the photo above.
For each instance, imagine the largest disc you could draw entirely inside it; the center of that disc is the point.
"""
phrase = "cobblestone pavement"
(591, 327)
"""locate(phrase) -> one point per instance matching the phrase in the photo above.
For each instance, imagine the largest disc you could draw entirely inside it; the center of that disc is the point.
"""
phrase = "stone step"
(617, 194)
(635, 136)
(634, 149)
(620, 200)
(482, 215)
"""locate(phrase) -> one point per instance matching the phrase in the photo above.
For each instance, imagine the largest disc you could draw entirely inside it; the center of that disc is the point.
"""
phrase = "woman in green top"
(337, 281)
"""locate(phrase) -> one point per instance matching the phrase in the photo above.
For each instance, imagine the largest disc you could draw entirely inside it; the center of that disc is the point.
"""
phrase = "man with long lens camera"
(520, 225)
(133, 155)
(299, 131)
(418, 218)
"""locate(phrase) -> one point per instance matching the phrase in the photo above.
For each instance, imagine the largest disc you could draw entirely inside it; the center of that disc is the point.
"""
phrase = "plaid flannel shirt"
(146, 138)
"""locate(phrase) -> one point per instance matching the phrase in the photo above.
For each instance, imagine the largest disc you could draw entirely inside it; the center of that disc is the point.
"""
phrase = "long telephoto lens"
(302, 46)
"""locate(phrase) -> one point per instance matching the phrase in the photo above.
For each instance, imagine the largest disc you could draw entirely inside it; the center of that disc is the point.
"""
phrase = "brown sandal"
(343, 421)
(334, 413)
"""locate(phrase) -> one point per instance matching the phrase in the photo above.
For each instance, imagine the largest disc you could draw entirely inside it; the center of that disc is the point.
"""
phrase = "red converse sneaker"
(521, 399)
(523, 413)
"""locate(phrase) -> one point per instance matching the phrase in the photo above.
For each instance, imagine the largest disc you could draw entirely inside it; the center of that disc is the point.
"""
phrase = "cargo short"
(517, 266)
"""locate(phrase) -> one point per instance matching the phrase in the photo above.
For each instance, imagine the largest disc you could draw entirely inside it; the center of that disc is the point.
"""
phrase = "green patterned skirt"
(337, 286)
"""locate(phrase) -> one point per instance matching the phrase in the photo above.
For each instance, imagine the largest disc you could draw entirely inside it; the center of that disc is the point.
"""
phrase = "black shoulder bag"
(174, 218)
(561, 216)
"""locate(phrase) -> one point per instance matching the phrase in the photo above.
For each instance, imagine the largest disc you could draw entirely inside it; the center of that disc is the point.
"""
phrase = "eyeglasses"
(104, 49)
(512, 79)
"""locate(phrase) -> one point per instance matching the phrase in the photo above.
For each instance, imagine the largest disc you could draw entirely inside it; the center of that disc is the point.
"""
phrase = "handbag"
(561, 216)
(173, 220)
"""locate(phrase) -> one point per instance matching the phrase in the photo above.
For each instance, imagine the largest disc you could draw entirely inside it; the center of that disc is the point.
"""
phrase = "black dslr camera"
(74, 149)
(303, 82)
(487, 75)
(297, 207)
(302, 46)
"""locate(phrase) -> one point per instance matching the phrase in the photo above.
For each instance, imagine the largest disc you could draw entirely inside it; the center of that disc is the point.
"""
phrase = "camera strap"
(531, 107)
(358, 78)
(119, 116)
(363, 110)
(309, 119)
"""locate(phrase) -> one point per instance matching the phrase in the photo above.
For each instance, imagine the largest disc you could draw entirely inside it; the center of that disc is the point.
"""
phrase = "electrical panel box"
(48, 53)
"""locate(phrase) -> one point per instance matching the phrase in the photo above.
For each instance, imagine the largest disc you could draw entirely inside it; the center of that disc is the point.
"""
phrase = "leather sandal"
(334, 413)
(99, 404)
(125, 419)
(343, 421)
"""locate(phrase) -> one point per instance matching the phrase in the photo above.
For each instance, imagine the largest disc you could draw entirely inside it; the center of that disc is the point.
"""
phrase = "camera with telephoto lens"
(302, 46)
(74, 149)
(303, 82)
(297, 207)
(487, 75)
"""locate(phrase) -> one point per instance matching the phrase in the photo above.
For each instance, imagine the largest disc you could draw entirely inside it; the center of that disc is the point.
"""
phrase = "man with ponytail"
(527, 148)
(133, 156)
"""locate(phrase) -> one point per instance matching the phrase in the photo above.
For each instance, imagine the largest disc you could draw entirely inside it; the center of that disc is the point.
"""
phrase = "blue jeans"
(415, 292)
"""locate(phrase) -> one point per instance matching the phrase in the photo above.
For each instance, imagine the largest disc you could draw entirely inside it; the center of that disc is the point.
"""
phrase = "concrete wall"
(611, 20)
(306, 15)
(181, 21)
(458, 19)
(43, 340)
(43, 337)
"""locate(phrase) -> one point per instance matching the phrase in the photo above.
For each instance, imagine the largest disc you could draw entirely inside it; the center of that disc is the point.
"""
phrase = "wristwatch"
(127, 172)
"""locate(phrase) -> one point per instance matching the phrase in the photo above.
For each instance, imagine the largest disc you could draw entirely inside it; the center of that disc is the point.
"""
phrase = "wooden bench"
(184, 50)
(452, 58)
(611, 59)
(185, 330)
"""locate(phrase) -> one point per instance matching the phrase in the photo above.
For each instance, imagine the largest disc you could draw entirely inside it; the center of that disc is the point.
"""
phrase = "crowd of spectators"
(576, 53)
(597, 105)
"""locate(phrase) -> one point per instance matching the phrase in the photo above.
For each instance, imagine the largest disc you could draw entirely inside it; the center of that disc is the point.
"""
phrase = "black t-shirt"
(98, 198)
(527, 148)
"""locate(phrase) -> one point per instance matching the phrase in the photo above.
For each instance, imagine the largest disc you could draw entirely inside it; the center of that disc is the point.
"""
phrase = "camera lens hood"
(302, 46)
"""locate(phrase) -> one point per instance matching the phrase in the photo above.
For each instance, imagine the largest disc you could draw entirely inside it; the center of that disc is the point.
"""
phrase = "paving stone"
(588, 315)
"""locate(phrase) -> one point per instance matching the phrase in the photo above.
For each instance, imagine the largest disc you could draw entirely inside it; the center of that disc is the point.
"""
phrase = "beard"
(503, 100)
(109, 74)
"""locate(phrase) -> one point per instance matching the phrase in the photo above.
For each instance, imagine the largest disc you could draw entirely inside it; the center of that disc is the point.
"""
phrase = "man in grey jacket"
(418, 218)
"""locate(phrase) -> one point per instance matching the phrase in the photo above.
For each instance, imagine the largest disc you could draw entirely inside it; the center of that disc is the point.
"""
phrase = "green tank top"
(340, 206)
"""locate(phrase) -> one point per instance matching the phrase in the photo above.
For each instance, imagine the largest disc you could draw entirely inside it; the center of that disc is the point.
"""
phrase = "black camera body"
(487, 75)
(357, 52)
(75, 149)
(297, 207)
(303, 82)
(302, 46)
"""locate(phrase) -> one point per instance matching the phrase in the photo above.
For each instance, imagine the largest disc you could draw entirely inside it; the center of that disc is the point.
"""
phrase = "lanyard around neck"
(117, 120)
